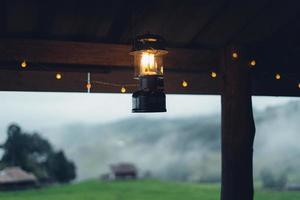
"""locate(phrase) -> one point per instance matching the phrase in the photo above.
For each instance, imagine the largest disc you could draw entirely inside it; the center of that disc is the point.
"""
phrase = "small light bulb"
(23, 64)
(299, 85)
(213, 74)
(184, 83)
(277, 76)
(58, 76)
(123, 89)
(235, 55)
(88, 86)
(253, 63)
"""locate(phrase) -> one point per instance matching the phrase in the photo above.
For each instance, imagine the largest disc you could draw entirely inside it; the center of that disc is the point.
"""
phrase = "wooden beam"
(41, 78)
(110, 59)
(77, 53)
(238, 128)
(44, 81)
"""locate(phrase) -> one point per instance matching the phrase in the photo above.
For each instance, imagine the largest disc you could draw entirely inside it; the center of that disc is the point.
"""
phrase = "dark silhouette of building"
(14, 178)
(124, 171)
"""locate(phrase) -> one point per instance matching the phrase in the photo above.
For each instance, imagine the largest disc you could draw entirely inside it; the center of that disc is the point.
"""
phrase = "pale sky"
(36, 111)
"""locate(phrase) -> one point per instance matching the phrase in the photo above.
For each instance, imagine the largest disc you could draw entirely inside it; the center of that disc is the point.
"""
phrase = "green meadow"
(136, 190)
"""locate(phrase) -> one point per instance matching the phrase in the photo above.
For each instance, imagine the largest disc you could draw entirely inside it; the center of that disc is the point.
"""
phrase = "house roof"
(15, 175)
(95, 36)
(123, 168)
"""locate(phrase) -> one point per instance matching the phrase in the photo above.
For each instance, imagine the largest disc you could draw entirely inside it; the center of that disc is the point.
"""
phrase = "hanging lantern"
(148, 51)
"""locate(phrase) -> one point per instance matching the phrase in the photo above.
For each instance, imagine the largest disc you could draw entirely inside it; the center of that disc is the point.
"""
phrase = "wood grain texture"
(238, 128)
(78, 53)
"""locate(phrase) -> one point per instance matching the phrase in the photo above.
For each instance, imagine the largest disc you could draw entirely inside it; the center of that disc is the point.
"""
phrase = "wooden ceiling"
(76, 37)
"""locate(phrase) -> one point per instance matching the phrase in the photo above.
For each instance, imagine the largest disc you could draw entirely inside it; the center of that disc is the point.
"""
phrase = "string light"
(123, 89)
(235, 55)
(213, 74)
(58, 76)
(23, 64)
(184, 83)
(253, 63)
(88, 86)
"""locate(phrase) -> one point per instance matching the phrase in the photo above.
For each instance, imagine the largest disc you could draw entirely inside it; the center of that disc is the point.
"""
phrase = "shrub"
(270, 181)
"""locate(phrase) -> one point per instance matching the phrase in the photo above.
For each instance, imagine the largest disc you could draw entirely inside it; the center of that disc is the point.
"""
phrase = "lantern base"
(148, 101)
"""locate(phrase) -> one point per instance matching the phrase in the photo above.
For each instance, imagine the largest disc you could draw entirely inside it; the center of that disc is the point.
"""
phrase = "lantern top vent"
(149, 42)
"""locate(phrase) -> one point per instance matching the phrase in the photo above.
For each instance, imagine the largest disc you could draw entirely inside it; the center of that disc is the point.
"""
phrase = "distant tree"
(61, 169)
(16, 147)
(35, 154)
(270, 181)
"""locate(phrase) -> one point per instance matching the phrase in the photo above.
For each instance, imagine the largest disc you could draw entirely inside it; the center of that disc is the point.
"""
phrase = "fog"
(169, 149)
(277, 140)
(182, 144)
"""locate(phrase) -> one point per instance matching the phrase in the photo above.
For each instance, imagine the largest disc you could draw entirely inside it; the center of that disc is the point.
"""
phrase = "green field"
(135, 190)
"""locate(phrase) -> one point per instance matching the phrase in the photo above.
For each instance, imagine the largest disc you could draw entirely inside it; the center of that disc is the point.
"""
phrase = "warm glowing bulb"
(234, 55)
(88, 86)
(23, 64)
(58, 76)
(277, 76)
(184, 84)
(253, 63)
(148, 64)
(299, 85)
(213, 74)
(123, 89)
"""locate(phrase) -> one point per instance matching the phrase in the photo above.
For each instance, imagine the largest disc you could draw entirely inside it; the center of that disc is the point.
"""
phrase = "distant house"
(14, 178)
(124, 171)
(293, 187)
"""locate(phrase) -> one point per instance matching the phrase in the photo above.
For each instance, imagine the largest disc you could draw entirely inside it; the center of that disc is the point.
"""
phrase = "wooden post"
(238, 128)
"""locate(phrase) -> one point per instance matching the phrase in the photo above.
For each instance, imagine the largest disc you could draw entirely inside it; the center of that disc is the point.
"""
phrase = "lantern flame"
(148, 64)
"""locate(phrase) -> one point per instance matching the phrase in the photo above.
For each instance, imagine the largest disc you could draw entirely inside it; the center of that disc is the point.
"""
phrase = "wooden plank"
(121, 21)
(269, 21)
(44, 21)
(230, 20)
(3, 18)
(21, 18)
(80, 21)
(177, 22)
(238, 129)
(210, 21)
(77, 53)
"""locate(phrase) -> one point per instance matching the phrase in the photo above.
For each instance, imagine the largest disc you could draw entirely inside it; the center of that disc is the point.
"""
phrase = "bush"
(270, 181)
(60, 169)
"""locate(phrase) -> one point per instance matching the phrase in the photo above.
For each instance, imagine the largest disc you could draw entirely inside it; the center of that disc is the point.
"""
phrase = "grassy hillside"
(135, 190)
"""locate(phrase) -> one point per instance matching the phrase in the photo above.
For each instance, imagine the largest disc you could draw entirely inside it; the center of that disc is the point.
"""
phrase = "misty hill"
(183, 148)
(168, 148)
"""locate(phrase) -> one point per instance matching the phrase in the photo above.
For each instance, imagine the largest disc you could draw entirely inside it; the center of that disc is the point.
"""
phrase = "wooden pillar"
(238, 128)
